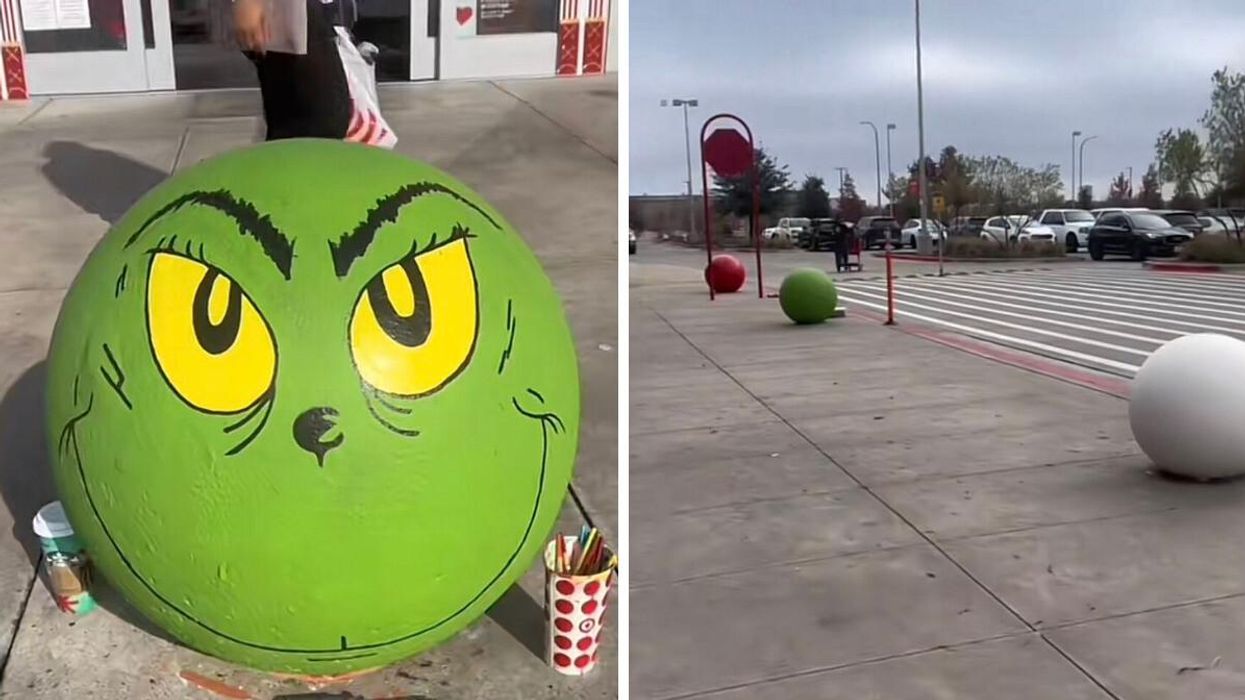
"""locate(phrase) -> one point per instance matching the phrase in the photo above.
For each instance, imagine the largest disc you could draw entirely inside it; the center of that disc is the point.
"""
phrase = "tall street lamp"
(1072, 172)
(1080, 176)
(920, 137)
(877, 157)
(890, 174)
(687, 144)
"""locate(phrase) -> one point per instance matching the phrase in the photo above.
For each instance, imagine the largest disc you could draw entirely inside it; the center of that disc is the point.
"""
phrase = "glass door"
(96, 46)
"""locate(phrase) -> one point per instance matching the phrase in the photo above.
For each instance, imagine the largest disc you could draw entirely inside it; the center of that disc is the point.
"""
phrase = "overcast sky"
(1005, 77)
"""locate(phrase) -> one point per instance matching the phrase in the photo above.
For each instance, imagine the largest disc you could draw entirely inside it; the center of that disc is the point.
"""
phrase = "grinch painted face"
(313, 406)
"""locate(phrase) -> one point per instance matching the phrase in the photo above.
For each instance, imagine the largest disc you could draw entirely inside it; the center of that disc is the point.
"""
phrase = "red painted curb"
(1118, 388)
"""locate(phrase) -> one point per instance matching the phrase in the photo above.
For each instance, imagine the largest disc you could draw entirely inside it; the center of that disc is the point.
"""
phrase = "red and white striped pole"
(12, 57)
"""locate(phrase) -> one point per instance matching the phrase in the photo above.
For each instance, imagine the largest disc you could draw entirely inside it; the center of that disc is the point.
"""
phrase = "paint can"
(64, 560)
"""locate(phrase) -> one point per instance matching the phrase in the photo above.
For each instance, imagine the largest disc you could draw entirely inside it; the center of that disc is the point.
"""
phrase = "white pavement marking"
(1015, 326)
(941, 297)
(1161, 307)
(1011, 340)
(1039, 300)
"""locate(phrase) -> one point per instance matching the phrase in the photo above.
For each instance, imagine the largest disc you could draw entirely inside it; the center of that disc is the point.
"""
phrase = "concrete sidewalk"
(544, 152)
(850, 511)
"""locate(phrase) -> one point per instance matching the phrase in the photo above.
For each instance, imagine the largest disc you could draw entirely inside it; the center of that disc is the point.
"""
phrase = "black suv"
(1137, 234)
(875, 231)
(820, 234)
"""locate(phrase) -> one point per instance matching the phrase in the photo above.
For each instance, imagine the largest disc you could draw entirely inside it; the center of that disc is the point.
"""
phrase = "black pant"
(306, 96)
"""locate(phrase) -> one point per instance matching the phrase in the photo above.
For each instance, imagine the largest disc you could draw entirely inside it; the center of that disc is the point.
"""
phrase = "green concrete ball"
(808, 296)
(312, 406)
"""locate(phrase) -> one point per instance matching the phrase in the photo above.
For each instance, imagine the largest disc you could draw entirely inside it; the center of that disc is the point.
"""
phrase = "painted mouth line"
(69, 440)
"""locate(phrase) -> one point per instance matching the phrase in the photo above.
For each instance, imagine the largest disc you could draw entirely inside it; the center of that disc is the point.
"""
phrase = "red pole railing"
(890, 288)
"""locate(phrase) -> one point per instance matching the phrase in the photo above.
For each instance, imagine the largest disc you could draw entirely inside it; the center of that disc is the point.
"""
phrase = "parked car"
(1138, 235)
(967, 225)
(1220, 222)
(1005, 229)
(912, 229)
(631, 242)
(1034, 232)
(792, 227)
(1070, 226)
(877, 231)
(1097, 213)
(1180, 218)
(822, 234)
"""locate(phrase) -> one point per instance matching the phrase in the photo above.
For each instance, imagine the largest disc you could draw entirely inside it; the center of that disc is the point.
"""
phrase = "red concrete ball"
(725, 274)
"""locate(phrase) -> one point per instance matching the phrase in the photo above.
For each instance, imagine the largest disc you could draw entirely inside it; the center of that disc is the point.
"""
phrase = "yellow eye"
(210, 342)
(414, 326)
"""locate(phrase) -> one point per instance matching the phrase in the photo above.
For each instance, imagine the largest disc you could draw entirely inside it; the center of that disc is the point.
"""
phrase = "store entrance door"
(96, 46)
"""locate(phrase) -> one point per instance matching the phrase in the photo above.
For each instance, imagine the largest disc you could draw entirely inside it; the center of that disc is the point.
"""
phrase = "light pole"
(890, 175)
(1072, 172)
(877, 157)
(687, 143)
(920, 137)
(1081, 173)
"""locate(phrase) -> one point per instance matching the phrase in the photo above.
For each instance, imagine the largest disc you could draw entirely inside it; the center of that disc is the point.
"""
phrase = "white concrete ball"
(1187, 410)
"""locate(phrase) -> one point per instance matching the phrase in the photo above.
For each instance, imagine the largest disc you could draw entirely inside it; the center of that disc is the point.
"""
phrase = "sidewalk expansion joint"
(17, 622)
(578, 137)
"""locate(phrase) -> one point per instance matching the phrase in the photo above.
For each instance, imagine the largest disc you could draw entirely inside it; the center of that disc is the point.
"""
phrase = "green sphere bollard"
(808, 296)
(312, 407)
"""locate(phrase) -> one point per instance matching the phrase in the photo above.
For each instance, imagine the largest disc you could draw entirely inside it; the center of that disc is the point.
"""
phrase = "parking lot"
(1106, 316)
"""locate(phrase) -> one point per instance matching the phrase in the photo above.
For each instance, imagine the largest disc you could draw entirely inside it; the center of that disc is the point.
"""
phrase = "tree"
(733, 195)
(957, 185)
(1182, 161)
(1151, 193)
(851, 206)
(1119, 195)
(1085, 197)
(1008, 186)
(813, 199)
(1224, 122)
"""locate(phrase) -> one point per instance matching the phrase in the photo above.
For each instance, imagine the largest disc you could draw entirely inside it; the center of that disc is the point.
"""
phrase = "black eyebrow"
(354, 244)
(251, 223)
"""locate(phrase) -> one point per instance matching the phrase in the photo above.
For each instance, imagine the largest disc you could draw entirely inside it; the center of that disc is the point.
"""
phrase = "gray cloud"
(1010, 77)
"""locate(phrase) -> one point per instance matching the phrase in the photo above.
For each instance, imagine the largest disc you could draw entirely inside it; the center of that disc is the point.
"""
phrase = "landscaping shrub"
(1214, 249)
(985, 248)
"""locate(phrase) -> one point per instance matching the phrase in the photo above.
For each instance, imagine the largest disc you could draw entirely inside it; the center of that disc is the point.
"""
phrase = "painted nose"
(312, 429)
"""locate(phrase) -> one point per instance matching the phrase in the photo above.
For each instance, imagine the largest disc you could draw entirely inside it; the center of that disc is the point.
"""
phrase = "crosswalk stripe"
(1094, 299)
(1097, 318)
(1008, 324)
(1159, 290)
(1011, 340)
(1040, 300)
(937, 295)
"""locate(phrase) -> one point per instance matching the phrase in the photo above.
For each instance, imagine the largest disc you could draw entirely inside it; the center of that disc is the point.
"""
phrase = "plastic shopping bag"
(367, 126)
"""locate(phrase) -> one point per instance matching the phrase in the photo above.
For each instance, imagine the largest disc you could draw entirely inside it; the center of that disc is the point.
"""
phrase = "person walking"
(293, 46)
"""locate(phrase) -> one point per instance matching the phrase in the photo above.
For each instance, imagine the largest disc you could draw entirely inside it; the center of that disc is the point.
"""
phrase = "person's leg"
(320, 85)
(276, 80)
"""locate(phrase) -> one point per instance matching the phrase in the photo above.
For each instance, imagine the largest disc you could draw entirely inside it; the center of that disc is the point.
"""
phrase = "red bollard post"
(890, 289)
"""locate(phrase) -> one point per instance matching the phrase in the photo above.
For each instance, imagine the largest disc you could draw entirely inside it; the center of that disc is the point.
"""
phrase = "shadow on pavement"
(522, 617)
(25, 477)
(101, 182)
(26, 480)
